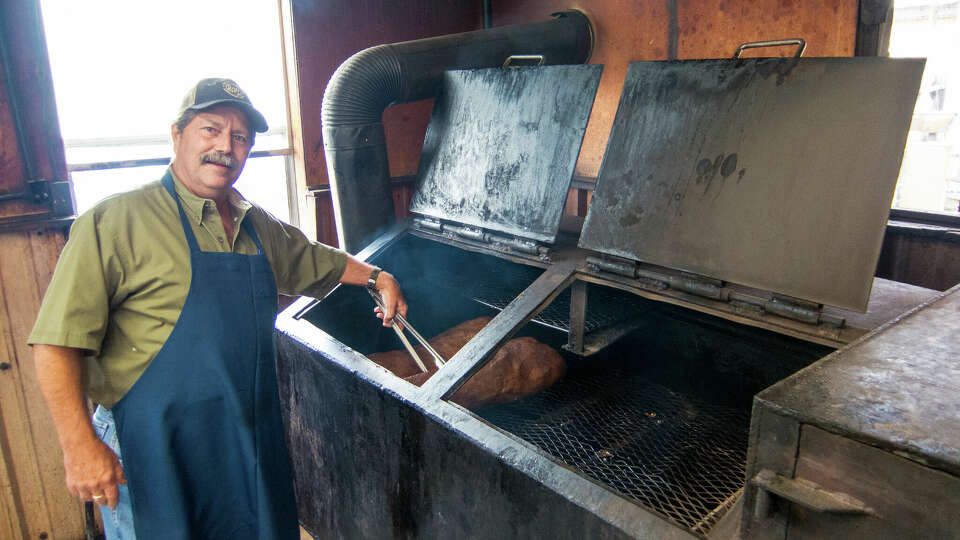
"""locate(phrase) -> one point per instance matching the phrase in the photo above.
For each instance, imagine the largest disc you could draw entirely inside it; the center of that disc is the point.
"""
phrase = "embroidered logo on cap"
(231, 88)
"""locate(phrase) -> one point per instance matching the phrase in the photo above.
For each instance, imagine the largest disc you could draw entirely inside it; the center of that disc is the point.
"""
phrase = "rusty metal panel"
(771, 173)
(501, 147)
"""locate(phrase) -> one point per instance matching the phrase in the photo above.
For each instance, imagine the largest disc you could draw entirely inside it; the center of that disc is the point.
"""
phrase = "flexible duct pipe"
(371, 80)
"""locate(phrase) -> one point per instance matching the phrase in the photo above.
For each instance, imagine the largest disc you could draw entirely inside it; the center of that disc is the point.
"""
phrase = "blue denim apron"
(201, 433)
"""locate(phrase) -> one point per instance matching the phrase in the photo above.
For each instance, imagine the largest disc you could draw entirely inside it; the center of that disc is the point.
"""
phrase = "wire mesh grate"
(669, 451)
(605, 306)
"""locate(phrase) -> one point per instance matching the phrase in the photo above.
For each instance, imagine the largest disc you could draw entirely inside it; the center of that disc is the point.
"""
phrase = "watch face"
(372, 281)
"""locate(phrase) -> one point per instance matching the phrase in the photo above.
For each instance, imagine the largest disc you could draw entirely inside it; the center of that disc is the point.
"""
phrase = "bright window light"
(120, 69)
(930, 174)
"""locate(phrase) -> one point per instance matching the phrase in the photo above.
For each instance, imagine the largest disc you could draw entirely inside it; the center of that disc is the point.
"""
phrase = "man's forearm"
(59, 374)
(357, 272)
(92, 470)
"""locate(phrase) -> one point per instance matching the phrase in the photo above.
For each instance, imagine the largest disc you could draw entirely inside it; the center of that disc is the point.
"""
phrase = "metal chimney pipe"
(372, 79)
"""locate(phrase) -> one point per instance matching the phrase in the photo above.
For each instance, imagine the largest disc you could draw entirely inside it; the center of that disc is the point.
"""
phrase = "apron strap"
(187, 229)
(252, 231)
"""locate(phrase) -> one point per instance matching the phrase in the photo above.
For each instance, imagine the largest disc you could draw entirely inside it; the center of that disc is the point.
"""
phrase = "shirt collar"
(195, 206)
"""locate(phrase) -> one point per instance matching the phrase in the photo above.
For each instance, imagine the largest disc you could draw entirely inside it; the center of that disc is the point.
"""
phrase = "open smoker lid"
(501, 147)
(772, 173)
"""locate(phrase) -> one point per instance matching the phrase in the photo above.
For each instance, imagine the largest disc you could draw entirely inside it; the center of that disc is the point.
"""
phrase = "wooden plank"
(291, 83)
(405, 126)
(402, 193)
(32, 450)
(37, 151)
(9, 524)
(325, 218)
(22, 30)
(709, 29)
(928, 256)
(15, 437)
(11, 167)
(66, 512)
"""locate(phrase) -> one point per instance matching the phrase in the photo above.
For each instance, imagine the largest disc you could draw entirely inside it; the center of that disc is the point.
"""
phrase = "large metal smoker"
(730, 244)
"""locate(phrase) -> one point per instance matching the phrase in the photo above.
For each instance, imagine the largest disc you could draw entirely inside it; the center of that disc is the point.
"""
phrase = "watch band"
(372, 280)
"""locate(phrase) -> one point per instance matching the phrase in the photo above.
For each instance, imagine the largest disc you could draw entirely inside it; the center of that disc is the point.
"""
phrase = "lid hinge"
(497, 241)
(745, 304)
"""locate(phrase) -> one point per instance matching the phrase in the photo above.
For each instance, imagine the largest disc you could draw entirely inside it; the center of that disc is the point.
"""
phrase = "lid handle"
(525, 58)
(801, 46)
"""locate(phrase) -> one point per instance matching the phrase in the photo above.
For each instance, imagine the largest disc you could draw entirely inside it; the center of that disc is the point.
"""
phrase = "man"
(161, 309)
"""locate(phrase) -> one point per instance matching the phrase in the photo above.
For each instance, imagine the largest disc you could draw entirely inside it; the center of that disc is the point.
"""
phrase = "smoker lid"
(501, 147)
(772, 173)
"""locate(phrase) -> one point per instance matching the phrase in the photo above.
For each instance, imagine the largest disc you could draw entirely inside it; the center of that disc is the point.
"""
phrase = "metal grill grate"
(670, 451)
(605, 306)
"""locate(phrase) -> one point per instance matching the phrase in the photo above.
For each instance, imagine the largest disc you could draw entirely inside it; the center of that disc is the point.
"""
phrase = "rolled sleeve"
(75, 307)
(300, 266)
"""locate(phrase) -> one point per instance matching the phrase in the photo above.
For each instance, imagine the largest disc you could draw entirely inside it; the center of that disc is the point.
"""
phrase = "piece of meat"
(522, 367)
(446, 343)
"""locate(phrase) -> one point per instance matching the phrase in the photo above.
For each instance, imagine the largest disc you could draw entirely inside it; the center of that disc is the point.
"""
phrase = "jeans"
(117, 522)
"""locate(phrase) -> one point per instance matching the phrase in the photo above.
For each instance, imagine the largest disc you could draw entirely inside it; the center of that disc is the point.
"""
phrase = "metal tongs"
(437, 359)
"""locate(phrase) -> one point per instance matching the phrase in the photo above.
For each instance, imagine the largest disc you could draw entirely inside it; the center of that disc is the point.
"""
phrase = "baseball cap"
(217, 91)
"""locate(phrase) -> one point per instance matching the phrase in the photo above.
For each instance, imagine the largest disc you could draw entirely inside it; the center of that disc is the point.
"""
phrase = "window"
(120, 69)
(930, 174)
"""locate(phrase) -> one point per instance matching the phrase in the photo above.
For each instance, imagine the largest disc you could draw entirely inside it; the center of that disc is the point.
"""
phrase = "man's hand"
(92, 469)
(392, 296)
(358, 273)
(93, 472)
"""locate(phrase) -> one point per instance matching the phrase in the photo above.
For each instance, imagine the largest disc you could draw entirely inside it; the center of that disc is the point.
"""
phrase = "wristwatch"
(372, 280)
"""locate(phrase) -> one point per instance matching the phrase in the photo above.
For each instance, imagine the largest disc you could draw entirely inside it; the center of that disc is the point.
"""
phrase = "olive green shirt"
(123, 277)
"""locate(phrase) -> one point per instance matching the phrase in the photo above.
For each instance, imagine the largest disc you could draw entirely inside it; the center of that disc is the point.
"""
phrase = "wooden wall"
(921, 255)
(31, 90)
(34, 501)
(324, 34)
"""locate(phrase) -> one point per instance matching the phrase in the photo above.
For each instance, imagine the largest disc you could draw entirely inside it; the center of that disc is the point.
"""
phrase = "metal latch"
(521, 58)
(56, 194)
(713, 289)
(496, 241)
(801, 46)
(805, 493)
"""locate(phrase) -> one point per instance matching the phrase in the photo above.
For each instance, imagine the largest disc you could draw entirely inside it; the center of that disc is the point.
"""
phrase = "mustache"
(217, 158)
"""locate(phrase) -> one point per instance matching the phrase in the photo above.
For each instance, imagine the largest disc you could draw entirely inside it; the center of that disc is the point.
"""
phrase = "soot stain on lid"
(781, 67)
(633, 217)
(729, 165)
(724, 164)
(497, 180)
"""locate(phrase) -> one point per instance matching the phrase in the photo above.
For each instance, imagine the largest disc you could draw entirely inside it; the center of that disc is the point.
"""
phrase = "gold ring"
(98, 497)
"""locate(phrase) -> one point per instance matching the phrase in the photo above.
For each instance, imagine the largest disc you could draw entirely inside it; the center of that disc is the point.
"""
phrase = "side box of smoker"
(866, 442)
